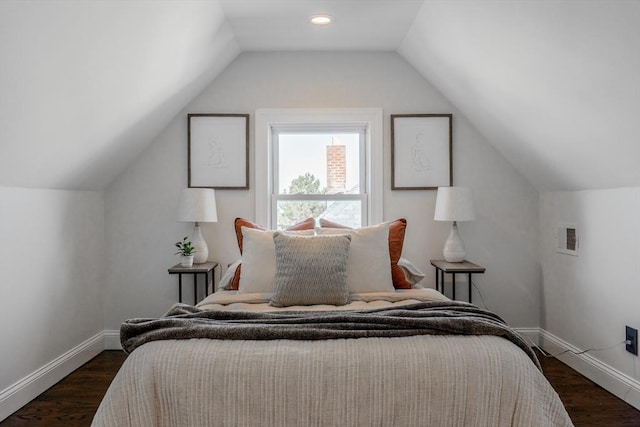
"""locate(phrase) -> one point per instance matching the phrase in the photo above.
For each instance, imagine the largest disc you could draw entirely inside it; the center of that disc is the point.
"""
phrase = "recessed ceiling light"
(321, 19)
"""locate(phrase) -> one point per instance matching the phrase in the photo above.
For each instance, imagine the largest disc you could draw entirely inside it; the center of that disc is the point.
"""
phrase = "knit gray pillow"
(311, 270)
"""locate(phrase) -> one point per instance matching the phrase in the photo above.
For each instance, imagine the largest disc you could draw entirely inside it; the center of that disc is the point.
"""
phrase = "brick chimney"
(336, 168)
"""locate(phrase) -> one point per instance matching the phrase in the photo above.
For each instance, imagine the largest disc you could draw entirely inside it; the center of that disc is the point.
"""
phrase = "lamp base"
(200, 245)
(454, 246)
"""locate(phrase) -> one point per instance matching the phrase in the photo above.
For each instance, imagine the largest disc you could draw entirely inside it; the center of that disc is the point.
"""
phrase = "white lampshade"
(198, 205)
(454, 204)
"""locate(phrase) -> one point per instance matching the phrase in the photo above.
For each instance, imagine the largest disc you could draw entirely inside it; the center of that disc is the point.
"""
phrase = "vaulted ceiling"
(85, 85)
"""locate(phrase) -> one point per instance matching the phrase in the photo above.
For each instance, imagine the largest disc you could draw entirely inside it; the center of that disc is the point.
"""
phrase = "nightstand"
(453, 268)
(205, 269)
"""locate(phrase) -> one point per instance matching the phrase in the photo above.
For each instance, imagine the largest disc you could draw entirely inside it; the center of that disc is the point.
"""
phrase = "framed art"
(218, 151)
(421, 151)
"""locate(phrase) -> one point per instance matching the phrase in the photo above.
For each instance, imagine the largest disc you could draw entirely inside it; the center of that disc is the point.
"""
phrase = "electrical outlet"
(632, 336)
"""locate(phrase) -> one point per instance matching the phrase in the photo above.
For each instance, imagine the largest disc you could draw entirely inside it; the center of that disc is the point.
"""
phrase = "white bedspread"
(410, 381)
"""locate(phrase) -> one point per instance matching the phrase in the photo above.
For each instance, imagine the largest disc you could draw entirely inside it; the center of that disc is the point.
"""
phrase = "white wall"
(52, 262)
(588, 300)
(140, 205)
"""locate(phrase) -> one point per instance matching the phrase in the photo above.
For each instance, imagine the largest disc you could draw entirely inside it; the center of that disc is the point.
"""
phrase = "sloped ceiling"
(553, 85)
(85, 85)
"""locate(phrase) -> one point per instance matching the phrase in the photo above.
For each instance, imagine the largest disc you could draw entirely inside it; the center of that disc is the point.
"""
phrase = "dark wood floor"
(588, 404)
(73, 401)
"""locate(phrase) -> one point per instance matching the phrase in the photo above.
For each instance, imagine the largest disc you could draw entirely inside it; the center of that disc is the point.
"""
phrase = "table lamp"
(198, 205)
(454, 204)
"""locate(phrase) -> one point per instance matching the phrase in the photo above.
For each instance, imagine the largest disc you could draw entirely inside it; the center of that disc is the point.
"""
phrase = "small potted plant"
(186, 251)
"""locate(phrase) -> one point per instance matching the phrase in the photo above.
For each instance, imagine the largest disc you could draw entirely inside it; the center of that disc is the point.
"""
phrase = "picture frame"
(218, 151)
(421, 148)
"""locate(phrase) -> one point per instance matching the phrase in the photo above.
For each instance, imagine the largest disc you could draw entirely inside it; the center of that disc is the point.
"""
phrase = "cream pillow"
(259, 260)
(368, 268)
(412, 273)
(311, 270)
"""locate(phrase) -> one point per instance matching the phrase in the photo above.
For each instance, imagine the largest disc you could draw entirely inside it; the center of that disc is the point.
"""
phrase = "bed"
(394, 357)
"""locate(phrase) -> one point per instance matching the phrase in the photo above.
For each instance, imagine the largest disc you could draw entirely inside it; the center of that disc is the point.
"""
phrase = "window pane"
(318, 163)
(345, 212)
(293, 211)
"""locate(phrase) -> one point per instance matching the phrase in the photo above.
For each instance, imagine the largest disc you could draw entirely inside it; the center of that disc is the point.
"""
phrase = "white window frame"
(369, 118)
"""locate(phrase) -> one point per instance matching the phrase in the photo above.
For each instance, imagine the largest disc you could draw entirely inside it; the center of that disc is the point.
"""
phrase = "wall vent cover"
(567, 239)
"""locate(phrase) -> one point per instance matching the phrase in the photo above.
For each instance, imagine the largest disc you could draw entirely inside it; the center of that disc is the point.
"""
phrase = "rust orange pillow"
(307, 224)
(396, 241)
(325, 223)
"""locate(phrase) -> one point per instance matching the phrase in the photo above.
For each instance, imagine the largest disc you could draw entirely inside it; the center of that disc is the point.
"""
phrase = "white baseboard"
(619, 384)
(28, 388)
(531, 335)
(112, 340)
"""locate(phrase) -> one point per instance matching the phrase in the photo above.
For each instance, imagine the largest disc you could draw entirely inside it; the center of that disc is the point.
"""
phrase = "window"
(318, 171)
(318, 163)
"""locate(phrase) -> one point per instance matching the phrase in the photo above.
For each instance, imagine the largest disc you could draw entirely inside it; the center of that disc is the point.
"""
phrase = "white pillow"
(411, 272)
(259, 260)
(368, 268)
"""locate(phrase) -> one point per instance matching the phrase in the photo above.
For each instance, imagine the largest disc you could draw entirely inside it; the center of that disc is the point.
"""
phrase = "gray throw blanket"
(425, 318)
